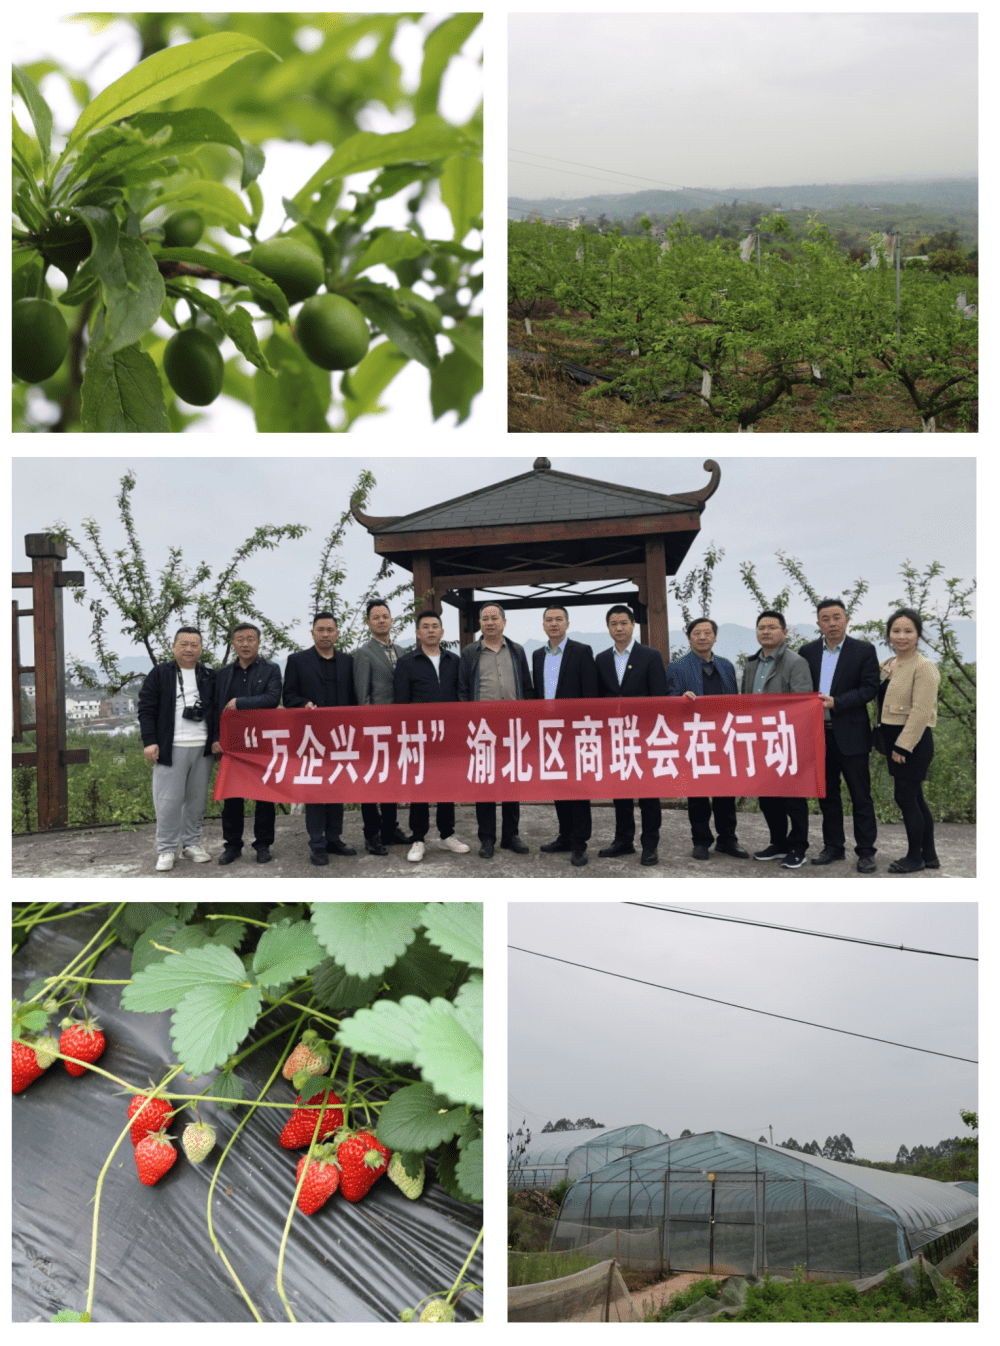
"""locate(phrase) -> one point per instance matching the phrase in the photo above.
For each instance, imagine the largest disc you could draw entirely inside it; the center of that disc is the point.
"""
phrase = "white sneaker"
(197, 853)
(416, 852)
(453, 844)
(164, 861)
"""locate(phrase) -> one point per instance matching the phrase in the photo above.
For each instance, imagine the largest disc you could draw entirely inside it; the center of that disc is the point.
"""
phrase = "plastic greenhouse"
(719, 1203)
(572, 1154)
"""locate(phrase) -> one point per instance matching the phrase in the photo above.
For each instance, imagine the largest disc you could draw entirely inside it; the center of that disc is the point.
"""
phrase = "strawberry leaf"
(366, 937)
(415, 1119)
(469, 1007)
(211, 1022)
(333, 988)
(388, 1030)
(164, 985)
(457, 928)
(228, 1089)
(449, 1057)
(424, 971)
(285, 953)
(469, 1170)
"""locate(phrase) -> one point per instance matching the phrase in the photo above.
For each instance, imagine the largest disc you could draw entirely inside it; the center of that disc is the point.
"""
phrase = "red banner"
(631, 748)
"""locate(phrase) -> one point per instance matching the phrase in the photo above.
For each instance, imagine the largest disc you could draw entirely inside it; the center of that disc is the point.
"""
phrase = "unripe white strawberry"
(411, 1187)
(46, 1051)
(198, 1139)
(437, 1311)
(310, 1056)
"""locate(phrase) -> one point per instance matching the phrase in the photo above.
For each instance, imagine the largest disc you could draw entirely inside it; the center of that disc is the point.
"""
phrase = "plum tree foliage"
(173, 148)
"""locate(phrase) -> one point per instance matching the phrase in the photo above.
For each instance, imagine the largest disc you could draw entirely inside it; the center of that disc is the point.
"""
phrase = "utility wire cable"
(748, 1008)
(796, 930)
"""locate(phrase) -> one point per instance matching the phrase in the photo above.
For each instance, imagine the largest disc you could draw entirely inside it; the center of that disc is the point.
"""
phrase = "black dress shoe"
(732, 848)
(906, 866)
(516, 845)
(649, 856)
(579, 859)
(264, 856)
(228, 856)
(318, 858)
(375, 847)
(827, 856)
(558, 845)
(932, 863)
(398, 838)
(486, 850)
(337, 847)
(617, 848)
(866, 864)
(699, 852)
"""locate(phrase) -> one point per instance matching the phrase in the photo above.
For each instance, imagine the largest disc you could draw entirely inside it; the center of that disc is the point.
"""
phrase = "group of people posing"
(182, 701)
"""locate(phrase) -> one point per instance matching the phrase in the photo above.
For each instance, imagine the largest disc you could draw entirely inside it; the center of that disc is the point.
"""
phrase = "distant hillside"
(942, 194)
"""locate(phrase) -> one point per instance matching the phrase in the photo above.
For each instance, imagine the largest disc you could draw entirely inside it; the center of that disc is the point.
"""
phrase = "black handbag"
(878, 734)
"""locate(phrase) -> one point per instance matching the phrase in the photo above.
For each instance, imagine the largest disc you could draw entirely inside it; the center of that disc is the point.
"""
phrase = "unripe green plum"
(295, 268)
(332, 332)
(183, 230)
(39, 339)
(194, 366)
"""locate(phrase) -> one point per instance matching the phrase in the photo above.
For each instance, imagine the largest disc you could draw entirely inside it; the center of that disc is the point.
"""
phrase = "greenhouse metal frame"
(572, 1154)
(725, 1205)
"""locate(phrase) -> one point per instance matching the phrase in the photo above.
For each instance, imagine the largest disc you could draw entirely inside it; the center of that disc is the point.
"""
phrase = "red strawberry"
(153, 1118)
(25, 1066)
(154, 1156)
(321, 1180)
(85, 1041)
(362, 1162)
(310, 1055)
(299, 1129)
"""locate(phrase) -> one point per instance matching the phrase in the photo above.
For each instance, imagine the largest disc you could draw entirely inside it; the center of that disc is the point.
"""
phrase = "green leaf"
(334, 989)
(150, 138)
(372, 376)
(38, 109)
(33, 1020)
(389, 1030)
(429, 137)
(211, 1022)
(392, 246)
(164, 933)
(440, 45)
(255, 280)
(24, 149)
(253, 165)
(416, 1119)
(216, 202)
(469, 1008)
(285, 953)
(297, 398)
(469, 1170)
(162, 75)
(468, 338)
(462, 193)
(366, 937)
(454, 383)
(189, 127)
(411, 333)
(235, 322)
(228, 1089)
(27, 266)
(68, 1316)
(449, 1057)
(448, 1171)
(457, 928)
(121, 392)
(133, 291)
(164, 985)
(425, 971)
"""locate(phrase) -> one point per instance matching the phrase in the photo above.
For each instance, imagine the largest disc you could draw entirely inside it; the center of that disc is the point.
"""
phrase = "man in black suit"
(322, 677)
(845, 672)
(631, 669)
(560, 670)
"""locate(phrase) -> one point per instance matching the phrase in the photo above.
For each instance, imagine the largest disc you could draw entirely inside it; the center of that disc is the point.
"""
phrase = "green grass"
(532, 1268)
(800, 1301)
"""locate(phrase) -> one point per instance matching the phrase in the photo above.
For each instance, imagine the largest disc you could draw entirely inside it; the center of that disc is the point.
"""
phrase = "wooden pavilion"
(547, 531)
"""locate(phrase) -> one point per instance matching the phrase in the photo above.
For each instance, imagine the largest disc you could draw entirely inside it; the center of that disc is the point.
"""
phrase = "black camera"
(195, 712)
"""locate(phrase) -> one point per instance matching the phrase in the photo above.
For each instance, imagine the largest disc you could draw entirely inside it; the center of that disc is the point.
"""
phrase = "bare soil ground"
(654, 1295)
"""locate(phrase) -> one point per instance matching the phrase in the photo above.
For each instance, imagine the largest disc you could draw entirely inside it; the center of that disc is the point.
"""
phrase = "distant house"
(82, 708)
(570, 222)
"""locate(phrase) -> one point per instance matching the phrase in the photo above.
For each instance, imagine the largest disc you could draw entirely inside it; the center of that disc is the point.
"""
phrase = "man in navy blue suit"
(563, 669)
(845, 673)
(631, 669)
(322, 677)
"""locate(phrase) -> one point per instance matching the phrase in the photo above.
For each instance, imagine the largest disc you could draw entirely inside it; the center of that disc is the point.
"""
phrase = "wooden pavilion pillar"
(423, 580)
(657, 634)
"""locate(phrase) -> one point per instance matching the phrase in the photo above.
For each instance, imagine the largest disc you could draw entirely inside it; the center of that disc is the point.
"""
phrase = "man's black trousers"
(486, 820)
(787, 821)
(574, 821)
(651, 814)
(324, 822)
(855, 771)
(376, 824)
(232, 824)
(700, 810)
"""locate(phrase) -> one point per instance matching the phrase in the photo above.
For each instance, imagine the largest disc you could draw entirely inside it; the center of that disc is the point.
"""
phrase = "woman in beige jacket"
(907, 701)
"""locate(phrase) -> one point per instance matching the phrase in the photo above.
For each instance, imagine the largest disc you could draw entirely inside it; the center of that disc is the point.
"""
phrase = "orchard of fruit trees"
(740, 329)
(145, 218)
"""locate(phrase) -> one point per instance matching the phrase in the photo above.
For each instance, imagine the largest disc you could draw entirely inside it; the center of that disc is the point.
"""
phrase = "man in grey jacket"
(374, 669)
(774, 669)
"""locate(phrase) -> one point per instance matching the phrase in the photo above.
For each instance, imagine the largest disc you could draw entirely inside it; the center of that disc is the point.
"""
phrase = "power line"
(796, 930)
(748, 1008)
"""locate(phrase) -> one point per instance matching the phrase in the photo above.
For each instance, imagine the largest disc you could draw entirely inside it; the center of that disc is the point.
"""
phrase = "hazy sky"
(737, 99)
(103, 57)
(843, 518)
(582, 1044)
